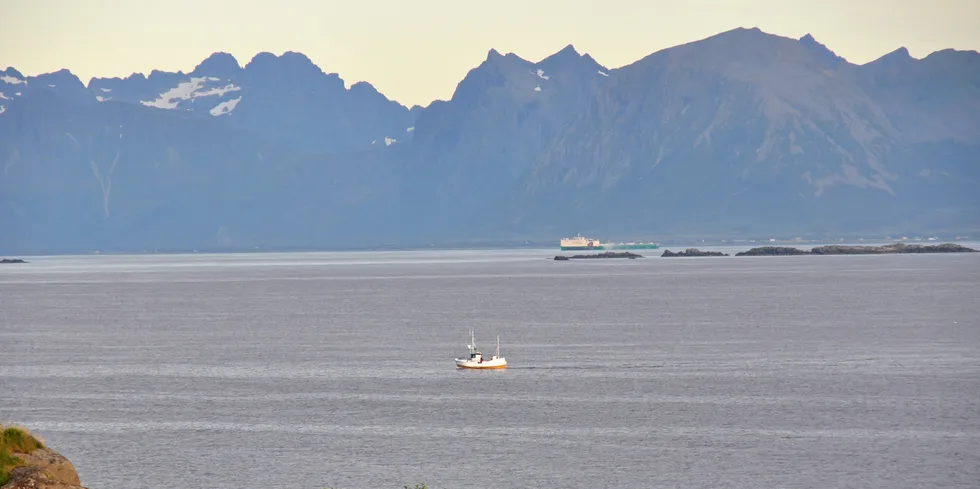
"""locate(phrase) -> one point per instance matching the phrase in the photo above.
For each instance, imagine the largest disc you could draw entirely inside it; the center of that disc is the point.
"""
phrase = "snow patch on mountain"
(225, 107)
(219, 91)
(12, 80)
(183, 91)
(188, 90)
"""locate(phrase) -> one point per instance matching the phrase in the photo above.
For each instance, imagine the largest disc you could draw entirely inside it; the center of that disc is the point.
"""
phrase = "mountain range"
(741, 134)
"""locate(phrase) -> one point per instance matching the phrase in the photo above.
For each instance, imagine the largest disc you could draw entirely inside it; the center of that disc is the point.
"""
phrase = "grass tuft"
(14, 440)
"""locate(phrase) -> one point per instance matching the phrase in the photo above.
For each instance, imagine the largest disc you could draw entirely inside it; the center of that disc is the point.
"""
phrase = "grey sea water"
(335, 369)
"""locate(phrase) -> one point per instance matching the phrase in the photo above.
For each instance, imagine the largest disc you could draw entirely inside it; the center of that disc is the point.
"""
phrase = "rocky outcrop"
(51, 466)
(4, 261)
(607, 254)
(897, 248)
(33, 477)
(772, 251)
(890, 249)
(692, 252)
(25, 463)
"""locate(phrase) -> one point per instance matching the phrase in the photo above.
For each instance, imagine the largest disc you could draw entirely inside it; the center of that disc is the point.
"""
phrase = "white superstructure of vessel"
(476, 360)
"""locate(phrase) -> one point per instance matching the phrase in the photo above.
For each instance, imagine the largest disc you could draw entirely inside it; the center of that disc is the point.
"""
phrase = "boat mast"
(497, 355)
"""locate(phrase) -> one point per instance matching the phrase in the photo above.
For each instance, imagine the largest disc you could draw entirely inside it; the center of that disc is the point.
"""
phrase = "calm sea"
(336, 369)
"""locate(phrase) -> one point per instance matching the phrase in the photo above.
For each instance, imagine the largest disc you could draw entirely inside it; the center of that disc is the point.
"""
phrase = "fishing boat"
(476, 360)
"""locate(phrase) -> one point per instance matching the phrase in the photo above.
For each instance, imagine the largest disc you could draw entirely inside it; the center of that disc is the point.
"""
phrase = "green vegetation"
(14, 440)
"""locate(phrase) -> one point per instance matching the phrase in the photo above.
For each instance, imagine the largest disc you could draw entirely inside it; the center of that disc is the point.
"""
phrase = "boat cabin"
(476, 359)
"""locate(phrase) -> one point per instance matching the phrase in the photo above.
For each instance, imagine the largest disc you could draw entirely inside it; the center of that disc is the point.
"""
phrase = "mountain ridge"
(739, 133)
(225, 60)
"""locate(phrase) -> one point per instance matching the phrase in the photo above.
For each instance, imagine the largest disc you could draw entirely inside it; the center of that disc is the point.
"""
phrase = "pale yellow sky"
(417, 51)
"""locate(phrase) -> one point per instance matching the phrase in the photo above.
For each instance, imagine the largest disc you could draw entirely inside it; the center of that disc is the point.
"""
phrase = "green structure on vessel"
(581, 243)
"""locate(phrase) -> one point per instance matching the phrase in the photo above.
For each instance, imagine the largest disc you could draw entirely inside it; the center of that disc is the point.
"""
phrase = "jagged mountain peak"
(568, 51)
(364, 90)
(496, 67)
(565, 72)
(569, 60)
(12, 84)
(290, 63)
(967, 56)
(741, 33)
(514, 57)
(11, 71)
(566, 54)
(821, 50)
(741, 49)
(296, 56)
(902, 51)
(63, 83)
(292, 57)
(736, 40)
(900, 55)
(363, 86)
(62, 73)
(220, 64)
(62, 76)
(260, 60)
(159, 75)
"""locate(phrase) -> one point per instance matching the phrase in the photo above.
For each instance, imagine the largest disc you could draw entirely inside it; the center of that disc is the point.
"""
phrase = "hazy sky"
(417, 51)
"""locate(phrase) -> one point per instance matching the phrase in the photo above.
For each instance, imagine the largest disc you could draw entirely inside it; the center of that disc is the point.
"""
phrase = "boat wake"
(586, 367)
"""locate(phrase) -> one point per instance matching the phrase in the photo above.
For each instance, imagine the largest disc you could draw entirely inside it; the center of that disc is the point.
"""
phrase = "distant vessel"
(579, 243)
(476, 360)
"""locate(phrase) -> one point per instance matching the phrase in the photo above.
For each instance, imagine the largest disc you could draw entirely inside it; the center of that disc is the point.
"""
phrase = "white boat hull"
(495, 363)
(476, 360)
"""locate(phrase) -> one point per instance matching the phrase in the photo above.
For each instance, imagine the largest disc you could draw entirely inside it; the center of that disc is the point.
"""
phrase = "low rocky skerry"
(896, 248)
(772, 251)
(692, 252)
(607, 254)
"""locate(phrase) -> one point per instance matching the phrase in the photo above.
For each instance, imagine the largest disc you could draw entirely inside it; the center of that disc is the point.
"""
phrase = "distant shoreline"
(728, 245)
(889, 249)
